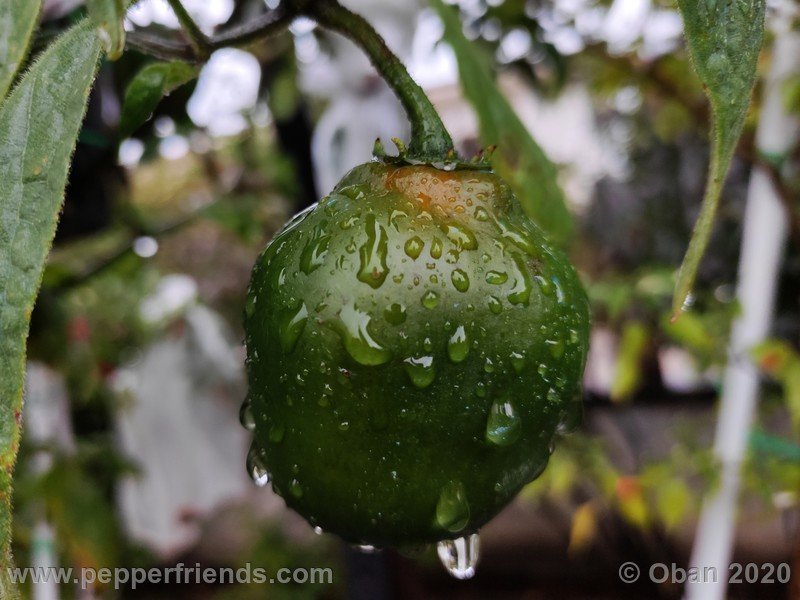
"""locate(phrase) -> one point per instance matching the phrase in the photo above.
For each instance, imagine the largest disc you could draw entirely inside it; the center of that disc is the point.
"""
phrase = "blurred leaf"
(781, 361)
(83, 516)
(150, 85)
(673, 498)
(17, 21)
(631, 501)
(518, 158)
(690, 331)
(724, 38)
(39, 124)
(108, 16)
(584, 528)
(632, 349)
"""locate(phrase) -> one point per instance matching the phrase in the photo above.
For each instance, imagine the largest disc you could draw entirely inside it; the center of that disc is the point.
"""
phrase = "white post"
(764, 238)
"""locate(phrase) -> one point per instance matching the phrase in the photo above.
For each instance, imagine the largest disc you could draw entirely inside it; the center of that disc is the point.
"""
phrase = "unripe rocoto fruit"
(414, 345)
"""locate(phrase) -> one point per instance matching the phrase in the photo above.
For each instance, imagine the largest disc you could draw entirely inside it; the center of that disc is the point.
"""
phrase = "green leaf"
(17, 21)
(147, 89)
(108, 16)
(518, 158)
(39, 125)
(724, 39)
(631, 355)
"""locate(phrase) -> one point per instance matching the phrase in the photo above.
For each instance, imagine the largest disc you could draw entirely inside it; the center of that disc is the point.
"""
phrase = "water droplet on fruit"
(353, 328)
(522, 285)
(553, 396)
(318, 530)
(414, 247)
(246, 417)
(460, 556)
(276, 433)
(373, 270)
(452, 509)
(495, 305)
(344, 426)
(496, 277)
(518, 361)
(488, 366)
(250, 305)
(314, 253)
(545, 285)
(256, 467)
(481, 214)
(295, 489)
(291, 326)
(461, 236)
(460, 280)
(395, 314)
(503, 426)
(436, 248)
(420, 370)
(452, 257)
(430, 300)
(556, 347)
(458, 345)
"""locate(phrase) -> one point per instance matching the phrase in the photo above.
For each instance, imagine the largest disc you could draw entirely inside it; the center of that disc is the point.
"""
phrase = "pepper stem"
(430, 141)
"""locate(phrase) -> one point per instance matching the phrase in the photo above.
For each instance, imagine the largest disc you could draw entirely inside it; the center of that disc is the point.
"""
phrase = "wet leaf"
(150, 85)
(17, 22)
(518, 158)
(39, 125)
(724, 39)
(108, 16)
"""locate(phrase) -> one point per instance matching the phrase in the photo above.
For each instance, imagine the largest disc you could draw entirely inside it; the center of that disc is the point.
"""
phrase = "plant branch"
(268, 24)
(197, 39)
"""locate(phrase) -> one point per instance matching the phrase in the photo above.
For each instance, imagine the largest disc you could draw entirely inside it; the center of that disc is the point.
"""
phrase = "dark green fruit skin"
(359, 449)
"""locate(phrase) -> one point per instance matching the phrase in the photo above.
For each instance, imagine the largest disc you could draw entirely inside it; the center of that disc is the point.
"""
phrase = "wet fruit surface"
(414, 345)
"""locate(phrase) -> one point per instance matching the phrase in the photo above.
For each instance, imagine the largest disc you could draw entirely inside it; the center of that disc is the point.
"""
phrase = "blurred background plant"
(133, 454)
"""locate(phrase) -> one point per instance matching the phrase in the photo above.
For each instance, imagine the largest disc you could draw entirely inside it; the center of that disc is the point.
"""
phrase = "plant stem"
(430, 141)
(267, 24)
(197, 39)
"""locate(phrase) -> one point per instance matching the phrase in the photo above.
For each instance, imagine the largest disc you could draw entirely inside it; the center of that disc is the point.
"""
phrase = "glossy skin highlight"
(414, 344)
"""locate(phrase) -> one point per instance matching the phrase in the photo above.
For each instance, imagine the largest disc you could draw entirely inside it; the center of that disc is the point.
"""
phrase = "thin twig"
(197, 39)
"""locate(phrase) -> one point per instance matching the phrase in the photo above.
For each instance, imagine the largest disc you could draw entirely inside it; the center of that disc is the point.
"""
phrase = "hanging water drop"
(395, 314)
(291, 326)
(460, 280)
(256, 466)
(496, 277)
(522, 285)
(246, 417)
(373, 269)
(436, 248)
(503, 426)
(420, 371)
(460, 556)
(276, 433)
(353, 328)
(414, 247)
(458, 345)
(314, 253)
(452, 509)
(430, 300)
